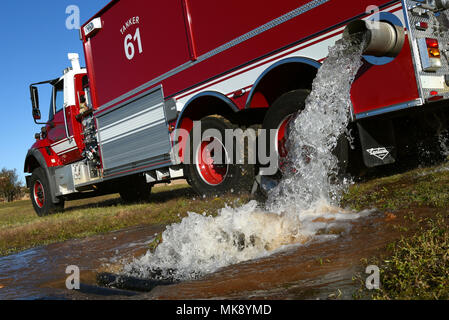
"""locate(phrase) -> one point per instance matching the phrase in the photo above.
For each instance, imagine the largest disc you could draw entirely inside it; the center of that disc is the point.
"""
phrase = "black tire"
(135, 189)
(228, 171)
(290, 104)
(40, 195)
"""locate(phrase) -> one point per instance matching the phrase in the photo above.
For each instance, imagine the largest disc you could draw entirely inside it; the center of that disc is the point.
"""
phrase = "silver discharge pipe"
(383, 39)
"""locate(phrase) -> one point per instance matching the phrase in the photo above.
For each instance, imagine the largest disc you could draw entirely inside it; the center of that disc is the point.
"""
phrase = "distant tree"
(10, 186)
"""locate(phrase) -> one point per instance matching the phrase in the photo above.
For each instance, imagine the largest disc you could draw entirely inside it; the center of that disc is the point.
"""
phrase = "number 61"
(129, 45)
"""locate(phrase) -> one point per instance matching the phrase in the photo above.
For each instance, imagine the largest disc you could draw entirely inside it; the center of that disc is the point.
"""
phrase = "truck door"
(58, 132)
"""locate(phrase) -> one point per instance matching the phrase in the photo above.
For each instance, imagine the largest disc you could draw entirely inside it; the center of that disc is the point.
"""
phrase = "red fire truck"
(153, 67)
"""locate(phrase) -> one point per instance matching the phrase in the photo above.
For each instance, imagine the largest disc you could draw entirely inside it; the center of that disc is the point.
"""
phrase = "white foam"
(203, 244)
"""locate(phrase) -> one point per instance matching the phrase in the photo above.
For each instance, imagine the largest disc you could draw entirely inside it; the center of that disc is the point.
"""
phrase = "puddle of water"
(301, 207)
(317, 270)
(40, 273)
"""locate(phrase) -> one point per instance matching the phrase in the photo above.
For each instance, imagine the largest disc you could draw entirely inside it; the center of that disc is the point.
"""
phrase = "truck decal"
(130, 49)
(64, 146)
(129, 22)
(380, 153)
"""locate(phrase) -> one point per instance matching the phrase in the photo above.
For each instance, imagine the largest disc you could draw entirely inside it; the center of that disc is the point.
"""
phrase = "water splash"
(314, 134)
(301, 208)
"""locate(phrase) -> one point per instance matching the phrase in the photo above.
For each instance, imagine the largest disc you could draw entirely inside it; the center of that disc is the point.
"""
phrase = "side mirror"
(35, 102)
(36, 114)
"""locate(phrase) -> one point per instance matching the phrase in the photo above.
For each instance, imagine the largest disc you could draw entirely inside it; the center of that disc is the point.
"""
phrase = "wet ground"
(40, 273)
(318, 270)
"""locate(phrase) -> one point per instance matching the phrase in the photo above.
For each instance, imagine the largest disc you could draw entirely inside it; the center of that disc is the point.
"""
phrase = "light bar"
(92, 27)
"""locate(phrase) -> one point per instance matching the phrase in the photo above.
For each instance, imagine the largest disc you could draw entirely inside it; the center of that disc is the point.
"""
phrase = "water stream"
(301, 209)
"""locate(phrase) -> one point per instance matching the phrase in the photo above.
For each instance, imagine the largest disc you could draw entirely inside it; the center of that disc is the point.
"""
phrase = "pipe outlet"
(383, 39)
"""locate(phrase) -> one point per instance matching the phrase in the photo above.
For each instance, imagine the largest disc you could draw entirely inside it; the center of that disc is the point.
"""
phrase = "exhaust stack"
(384, 39)
(75, 60)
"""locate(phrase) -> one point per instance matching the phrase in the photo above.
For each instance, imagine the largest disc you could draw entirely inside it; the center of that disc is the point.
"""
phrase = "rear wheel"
(278, 117)
(284, 110)
(211, 170)
(41, 196)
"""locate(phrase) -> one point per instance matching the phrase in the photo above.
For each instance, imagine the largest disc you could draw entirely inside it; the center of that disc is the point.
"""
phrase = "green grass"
(416, 267)
(418, 188)
(21, 229)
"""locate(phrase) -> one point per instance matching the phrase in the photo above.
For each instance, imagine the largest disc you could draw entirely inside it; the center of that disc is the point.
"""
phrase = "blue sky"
(35, 43)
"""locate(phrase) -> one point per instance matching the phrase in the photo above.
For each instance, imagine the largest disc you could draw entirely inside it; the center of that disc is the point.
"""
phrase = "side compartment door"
(134, 135)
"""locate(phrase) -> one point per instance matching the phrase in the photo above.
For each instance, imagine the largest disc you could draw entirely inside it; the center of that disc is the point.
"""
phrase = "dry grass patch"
(21, 229)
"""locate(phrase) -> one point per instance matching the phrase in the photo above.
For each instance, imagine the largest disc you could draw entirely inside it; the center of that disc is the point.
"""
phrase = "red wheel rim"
(211, 172)
(39, 195)
(282, 137)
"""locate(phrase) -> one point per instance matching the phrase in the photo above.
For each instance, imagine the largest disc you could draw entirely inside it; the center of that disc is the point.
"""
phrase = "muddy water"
(318, 270)
(40, 273)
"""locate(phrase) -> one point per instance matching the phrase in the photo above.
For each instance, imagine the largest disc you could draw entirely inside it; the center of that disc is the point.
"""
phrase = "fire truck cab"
(61, 140)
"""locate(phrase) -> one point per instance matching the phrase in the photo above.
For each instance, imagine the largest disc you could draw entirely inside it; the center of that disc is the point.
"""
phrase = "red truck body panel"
(176, 32)
(385, 85)
(165, 46)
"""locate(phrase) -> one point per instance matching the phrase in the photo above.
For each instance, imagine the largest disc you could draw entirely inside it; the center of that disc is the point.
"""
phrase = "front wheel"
(41, 196)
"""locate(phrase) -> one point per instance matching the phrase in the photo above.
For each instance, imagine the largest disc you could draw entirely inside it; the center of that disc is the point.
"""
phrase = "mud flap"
(378, 142)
